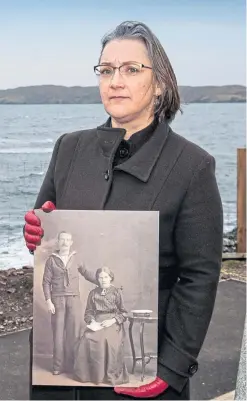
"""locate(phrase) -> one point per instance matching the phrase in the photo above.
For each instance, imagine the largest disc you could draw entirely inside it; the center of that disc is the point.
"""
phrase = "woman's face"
(104, 280)
(127, 97)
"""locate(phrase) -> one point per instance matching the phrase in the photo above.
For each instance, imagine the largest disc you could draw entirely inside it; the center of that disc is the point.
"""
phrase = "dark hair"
(105, 270)
(168, 103)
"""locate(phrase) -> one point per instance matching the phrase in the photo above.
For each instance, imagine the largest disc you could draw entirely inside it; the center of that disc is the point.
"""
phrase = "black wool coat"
(171, 175)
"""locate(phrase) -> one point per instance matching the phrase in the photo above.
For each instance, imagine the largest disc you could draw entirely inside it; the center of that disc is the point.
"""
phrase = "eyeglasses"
(130, 69)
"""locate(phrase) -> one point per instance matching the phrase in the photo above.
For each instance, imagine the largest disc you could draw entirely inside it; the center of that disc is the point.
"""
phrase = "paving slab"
(218, 360)
(219, 356)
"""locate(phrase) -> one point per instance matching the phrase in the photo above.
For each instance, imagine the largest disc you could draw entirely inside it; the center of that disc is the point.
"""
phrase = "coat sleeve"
(121, 311)
(87, 274)
(47, 277)
(198, 240)
(47, 191)
(90, 309)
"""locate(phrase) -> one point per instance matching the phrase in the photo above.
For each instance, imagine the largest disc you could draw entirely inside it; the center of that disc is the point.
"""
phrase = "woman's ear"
(157, 91)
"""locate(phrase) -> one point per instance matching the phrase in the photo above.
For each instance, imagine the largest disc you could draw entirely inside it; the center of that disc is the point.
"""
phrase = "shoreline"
(16, 294)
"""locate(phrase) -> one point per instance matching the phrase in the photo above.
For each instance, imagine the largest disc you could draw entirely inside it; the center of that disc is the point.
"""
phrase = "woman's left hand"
(108, 323)
(151, 390)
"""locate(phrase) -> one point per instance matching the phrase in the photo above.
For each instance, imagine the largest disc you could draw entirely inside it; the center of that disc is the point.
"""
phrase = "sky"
(58, 42)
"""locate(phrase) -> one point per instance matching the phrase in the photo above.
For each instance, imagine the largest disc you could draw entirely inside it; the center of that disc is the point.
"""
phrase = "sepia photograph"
(95, 309)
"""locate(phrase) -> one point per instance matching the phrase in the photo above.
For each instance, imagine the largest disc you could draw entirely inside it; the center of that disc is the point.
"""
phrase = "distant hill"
(213, 94)
(52, 94)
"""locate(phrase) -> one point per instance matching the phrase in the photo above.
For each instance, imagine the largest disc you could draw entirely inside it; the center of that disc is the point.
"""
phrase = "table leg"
(132, 346)
(142, 350)
(76, 393)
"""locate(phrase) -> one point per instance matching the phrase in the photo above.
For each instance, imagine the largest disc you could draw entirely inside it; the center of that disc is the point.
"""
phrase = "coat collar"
(56, 254)
(141, 164)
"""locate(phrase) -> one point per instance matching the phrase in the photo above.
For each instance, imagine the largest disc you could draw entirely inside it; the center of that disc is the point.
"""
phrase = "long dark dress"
(100, 354)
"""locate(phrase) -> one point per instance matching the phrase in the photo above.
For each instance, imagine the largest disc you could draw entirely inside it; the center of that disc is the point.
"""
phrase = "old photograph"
(96, 299)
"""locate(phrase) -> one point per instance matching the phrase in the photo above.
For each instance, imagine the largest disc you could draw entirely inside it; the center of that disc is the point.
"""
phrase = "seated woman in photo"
(100, 354)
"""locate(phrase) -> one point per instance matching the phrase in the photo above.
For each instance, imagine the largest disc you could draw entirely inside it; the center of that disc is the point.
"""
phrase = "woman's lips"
(118, 98)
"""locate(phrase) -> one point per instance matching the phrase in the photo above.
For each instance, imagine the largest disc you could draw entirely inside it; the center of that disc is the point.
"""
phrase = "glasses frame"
(118, 68)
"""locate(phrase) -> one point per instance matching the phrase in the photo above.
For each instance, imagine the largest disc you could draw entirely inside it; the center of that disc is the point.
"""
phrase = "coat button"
(123, 152)
(193, 369)
(107, 175)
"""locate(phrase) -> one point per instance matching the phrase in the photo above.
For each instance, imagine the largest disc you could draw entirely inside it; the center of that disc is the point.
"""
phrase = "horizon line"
(96, 86)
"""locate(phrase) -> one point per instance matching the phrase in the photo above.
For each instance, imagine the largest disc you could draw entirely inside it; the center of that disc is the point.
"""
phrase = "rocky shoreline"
(16, 293)
(230, 241)
(16, 299)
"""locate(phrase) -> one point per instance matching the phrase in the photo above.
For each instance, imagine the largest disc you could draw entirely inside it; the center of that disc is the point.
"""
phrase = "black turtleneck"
(128, 147)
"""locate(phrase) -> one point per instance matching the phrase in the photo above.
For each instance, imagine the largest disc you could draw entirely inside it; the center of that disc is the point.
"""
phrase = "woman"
(104, 347)
(136, 162)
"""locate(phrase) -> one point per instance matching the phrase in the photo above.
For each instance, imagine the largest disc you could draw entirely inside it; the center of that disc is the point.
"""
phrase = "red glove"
(151, 390)
(33, 232)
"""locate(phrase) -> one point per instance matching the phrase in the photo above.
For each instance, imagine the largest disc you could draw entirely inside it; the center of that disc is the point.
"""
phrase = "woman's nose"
(117, 80)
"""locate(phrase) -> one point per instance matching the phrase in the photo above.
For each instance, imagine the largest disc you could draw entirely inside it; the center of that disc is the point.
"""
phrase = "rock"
(23, 319)
(230, 241)
(1, 327)
(1, 313)
(225, 277)
(31, 318)
(29, 274)
(20, 272)
(2, 282)
(11, 290)
(27, 281)
(27, 267)
(11, 272)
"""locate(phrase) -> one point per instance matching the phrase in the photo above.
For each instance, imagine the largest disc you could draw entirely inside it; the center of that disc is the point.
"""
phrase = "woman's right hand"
(33, 232)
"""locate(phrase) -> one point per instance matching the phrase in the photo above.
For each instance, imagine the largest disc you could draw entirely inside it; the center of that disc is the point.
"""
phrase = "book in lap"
(96, 298)
(95, 326)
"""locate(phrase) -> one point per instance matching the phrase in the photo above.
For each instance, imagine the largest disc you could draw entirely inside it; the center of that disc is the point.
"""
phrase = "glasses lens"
(104, 70)
(130, 69)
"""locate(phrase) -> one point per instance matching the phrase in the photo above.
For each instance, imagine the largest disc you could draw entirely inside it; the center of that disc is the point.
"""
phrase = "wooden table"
(145, 357)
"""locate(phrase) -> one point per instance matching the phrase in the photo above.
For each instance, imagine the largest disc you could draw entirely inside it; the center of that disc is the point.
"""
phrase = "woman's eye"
(106, 71)
(132, 70)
